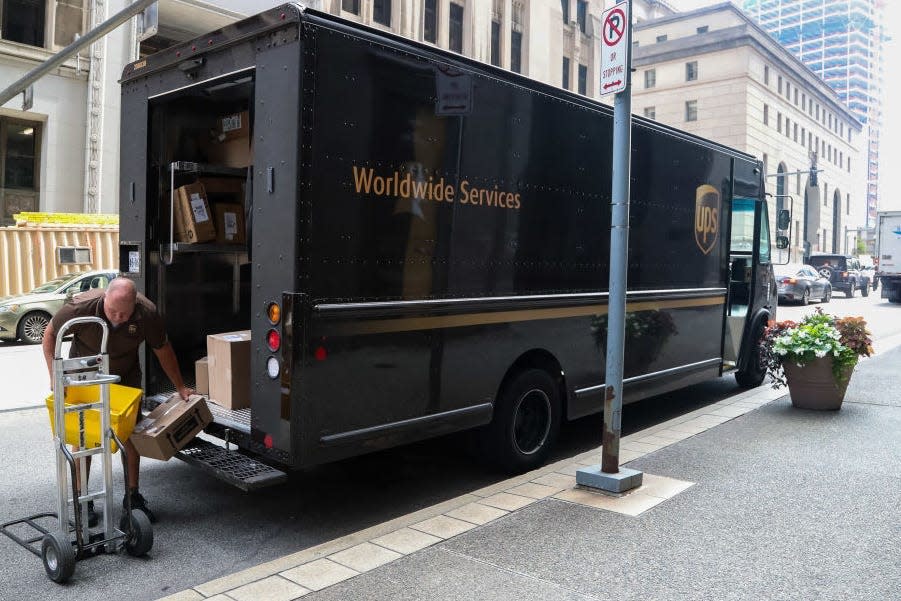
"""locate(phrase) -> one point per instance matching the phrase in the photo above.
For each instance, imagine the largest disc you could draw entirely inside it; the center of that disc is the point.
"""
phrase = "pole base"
(623, 480)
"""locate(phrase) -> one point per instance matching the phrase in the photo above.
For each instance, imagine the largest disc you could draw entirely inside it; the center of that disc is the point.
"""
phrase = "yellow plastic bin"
(124, 403)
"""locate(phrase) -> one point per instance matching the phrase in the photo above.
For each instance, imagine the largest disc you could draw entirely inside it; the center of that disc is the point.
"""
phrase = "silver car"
(25, 316)
(801, 283)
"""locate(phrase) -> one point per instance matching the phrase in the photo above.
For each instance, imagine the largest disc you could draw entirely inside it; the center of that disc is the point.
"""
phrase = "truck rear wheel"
(526, 421)
(865, 289)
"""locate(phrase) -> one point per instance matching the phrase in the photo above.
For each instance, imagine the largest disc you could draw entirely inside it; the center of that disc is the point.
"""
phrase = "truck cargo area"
(202, 286)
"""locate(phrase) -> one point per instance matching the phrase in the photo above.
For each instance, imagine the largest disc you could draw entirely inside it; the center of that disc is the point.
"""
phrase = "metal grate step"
(231, 466)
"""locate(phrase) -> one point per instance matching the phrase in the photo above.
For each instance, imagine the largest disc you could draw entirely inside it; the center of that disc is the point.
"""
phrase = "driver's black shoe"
(139, 502)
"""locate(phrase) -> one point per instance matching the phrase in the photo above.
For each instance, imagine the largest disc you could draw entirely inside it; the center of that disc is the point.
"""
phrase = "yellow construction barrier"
(67, 218)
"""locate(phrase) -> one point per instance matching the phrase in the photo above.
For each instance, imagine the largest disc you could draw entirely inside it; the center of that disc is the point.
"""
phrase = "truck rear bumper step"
(231, 466)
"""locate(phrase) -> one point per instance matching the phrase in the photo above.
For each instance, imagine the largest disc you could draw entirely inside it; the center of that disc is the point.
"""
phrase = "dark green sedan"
(24, 316)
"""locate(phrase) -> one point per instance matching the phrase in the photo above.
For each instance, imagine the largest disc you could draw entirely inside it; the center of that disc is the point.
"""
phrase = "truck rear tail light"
(790, 280)
(273, 340)
(320, 353)
(273, 368)
(274, 313)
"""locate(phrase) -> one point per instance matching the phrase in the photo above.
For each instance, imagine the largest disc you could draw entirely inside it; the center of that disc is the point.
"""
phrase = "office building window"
(796, 96)
(351, 6)
(582, 15)
(516, 52)
(779, 122)
(662, 38)
(455, 28)
(650, 112)
(583, 79)
(565, 73)
(565, 6)
(788, 89)
(795, 132)
(788, 128)
(495, 43)
(430, 21)
(848, 203)
(703, 29)
(779, 86)
(766, 114)
(849, 164)
(766, 75)
(19, 167)
(650, 78)
(381, 12)
(691, 71)
(803, 136)
(23, 21)
(691, 110)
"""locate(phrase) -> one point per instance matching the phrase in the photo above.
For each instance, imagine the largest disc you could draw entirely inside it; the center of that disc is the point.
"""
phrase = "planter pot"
(812, 386)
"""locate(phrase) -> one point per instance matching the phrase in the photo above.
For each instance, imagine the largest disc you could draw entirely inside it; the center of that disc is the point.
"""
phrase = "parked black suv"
(843, 271)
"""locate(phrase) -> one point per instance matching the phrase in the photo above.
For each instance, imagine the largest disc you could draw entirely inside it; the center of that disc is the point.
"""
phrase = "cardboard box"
(228, 355)
(171, 426)
(233, 126)
(230, 141)
(231, 153)
(202, 376)
(193, 218)
(229, 223)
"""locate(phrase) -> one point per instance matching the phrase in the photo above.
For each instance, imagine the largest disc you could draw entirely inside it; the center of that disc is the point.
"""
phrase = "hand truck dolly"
(58, 550)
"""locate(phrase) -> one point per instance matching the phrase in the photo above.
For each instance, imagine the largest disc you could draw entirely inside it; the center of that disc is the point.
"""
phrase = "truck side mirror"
(781, 242)
(783, 220)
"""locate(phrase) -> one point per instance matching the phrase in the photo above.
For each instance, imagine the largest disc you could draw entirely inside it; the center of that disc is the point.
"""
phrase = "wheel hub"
(532, 421)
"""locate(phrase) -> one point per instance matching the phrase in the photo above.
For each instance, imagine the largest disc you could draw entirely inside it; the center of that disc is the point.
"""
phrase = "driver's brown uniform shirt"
(144, 325)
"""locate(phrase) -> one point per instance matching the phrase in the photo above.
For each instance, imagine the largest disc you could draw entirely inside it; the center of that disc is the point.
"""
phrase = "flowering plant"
(845, 339)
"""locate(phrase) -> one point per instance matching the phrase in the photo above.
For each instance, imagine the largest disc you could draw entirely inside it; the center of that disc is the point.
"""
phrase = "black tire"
(827, 294)
(865, 290)
(58, 556)
(139, 540)
(32, 326)
(805, 297)
(849, 293)
(753, 374)
(526, 422)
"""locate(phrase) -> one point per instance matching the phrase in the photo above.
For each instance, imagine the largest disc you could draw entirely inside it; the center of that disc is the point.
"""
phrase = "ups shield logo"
(707, 217)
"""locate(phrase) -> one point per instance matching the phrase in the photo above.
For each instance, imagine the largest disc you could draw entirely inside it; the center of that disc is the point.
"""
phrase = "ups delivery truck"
(418, 243)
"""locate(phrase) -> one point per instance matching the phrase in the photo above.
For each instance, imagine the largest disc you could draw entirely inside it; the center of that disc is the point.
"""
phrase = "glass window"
(565, 7)
(381, 12)
(495, 43)
(19, 167)
(650, 78)
(662, 38)
(565, 73)
(455, 27)
(764, 234)
(742, 225)
(23, 21)
(691, 110)
(703, 29)
(691, 71)
(583, 79)
(582, 15)
(430, 22)
(650, 112)
(766, 114)
(516, 52)
(766, 75)
(351, 6)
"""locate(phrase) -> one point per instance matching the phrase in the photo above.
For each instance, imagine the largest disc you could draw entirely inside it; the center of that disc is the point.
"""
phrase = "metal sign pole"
(611, 477)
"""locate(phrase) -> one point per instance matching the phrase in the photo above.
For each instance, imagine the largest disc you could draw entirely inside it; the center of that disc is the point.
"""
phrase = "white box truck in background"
(888, 252)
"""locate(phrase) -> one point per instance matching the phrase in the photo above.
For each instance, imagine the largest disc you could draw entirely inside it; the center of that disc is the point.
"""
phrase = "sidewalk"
(745, 499)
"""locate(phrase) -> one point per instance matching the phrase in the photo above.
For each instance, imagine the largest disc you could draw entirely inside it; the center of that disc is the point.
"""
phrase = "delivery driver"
(132, 319)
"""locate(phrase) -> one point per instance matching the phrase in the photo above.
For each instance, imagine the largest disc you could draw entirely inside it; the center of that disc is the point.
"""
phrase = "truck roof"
(292, 14)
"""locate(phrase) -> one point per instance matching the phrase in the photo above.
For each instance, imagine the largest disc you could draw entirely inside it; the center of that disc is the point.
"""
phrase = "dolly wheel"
(138, 538)
(58, 556)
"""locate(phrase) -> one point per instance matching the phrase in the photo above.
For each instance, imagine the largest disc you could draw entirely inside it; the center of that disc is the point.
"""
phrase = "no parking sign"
(615, 48)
